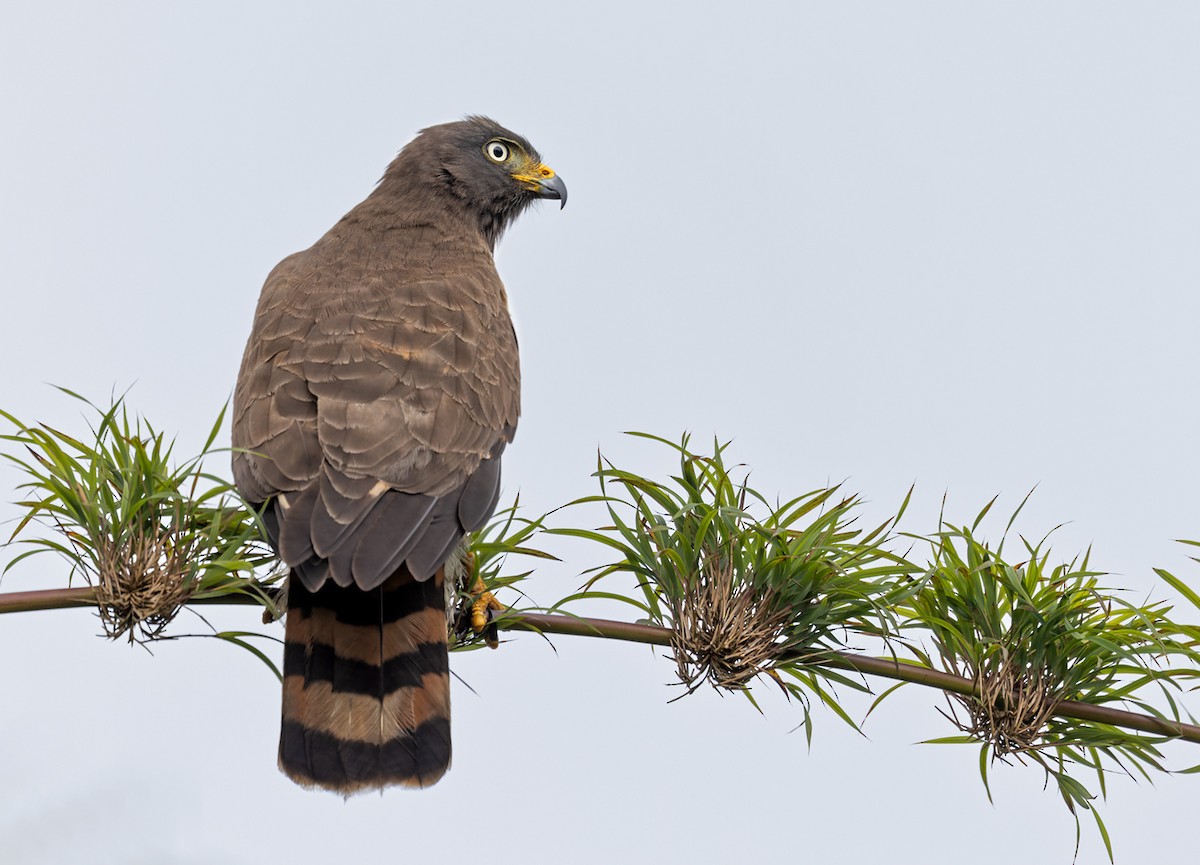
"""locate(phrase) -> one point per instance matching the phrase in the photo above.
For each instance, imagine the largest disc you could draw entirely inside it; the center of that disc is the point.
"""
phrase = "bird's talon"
(481, 613)
(481, 619)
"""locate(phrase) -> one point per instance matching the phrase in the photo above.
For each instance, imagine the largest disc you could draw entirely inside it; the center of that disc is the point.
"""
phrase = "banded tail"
(366, 688)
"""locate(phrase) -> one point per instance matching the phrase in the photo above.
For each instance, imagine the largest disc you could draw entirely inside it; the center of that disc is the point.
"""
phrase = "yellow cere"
(542, 171)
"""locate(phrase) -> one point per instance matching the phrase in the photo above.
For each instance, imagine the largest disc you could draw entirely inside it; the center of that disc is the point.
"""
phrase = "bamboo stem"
(884, 667)
(46, 599)
(577, 626)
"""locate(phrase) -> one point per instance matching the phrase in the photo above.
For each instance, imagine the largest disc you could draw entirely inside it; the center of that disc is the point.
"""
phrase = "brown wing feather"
(378, 389)
(361, 378)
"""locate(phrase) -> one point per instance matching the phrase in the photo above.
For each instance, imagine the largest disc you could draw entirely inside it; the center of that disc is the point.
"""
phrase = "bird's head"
(477, 163)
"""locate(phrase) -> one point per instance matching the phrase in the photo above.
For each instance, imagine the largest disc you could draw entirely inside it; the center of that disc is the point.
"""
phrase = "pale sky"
(943, 243)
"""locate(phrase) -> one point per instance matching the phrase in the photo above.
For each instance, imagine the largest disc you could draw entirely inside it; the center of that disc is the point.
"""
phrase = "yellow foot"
(481, 621)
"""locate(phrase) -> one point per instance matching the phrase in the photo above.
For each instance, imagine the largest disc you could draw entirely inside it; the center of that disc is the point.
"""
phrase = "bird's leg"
(485, 602)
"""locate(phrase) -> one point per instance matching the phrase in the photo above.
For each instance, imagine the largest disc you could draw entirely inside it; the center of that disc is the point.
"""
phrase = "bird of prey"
(377, 392)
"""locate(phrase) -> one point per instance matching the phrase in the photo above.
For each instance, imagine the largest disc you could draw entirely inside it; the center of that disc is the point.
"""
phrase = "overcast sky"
(943, 243)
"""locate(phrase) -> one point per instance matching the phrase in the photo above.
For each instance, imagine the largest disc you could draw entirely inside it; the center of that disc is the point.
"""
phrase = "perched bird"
(377, 392)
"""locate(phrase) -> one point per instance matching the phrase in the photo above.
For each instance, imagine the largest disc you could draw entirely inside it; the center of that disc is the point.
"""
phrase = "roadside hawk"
(377, 392)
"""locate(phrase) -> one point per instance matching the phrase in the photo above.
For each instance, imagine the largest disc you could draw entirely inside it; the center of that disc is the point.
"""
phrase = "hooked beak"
(552, 187)
(544, 183)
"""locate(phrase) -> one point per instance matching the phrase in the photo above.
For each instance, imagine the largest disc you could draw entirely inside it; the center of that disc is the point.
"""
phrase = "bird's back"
(378, 390)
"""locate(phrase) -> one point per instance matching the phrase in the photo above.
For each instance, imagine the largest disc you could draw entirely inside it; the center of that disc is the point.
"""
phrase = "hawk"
(378, 389)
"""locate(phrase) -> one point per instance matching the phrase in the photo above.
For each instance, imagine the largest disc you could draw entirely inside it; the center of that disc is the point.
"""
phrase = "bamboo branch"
(62, 599)
(46, 599)
(884, 667)
(576, 626)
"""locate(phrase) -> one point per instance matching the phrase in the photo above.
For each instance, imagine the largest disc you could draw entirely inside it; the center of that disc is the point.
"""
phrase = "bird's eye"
(497, 151)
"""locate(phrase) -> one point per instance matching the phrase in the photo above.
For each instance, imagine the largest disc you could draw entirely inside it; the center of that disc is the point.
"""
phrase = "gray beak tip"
(553, 187)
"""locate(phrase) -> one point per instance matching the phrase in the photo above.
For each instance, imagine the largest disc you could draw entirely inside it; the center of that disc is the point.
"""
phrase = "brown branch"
(885, 667)
(61, 599)
(576, 626)
(47, 599)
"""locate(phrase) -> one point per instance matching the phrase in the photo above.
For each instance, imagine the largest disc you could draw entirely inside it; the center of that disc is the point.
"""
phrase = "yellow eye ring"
(497, 151)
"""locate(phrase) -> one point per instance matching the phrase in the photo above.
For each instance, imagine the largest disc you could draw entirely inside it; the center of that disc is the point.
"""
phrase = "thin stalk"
(61, 599)
(577, 626)
(46, 599)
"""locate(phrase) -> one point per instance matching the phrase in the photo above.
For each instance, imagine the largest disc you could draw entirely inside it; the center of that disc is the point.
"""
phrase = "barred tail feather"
(366, 688)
